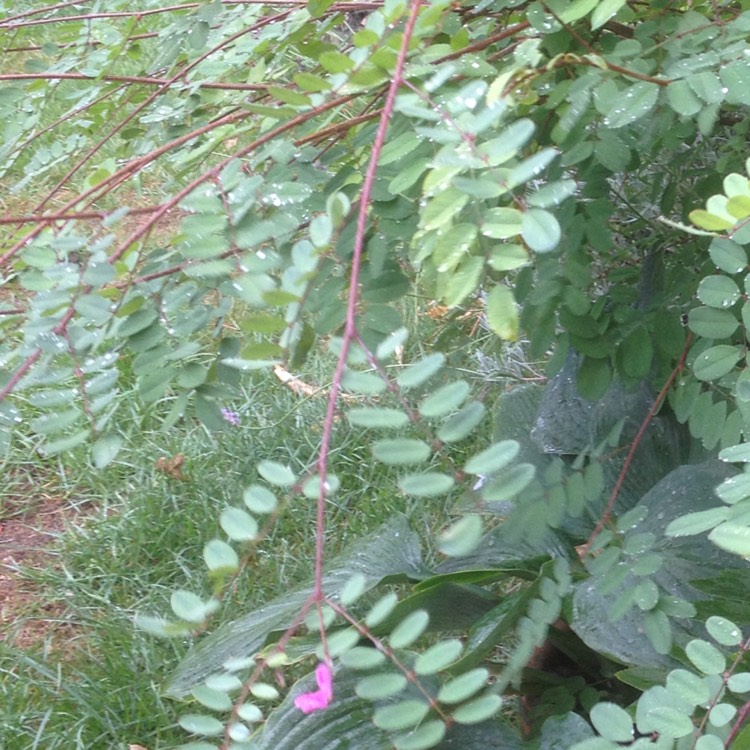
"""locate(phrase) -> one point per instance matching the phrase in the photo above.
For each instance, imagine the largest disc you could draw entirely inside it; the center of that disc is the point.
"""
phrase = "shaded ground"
(32, 517)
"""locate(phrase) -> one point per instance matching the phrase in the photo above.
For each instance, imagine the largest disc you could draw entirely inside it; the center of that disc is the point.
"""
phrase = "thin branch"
(350, 326)
(606, 515)
(77, 215)
(147, 80)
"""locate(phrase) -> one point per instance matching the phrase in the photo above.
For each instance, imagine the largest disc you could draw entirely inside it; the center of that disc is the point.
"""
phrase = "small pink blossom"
(319, 699)
(230, 416)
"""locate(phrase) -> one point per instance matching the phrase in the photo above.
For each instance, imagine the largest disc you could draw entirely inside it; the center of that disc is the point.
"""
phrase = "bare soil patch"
(32, 518)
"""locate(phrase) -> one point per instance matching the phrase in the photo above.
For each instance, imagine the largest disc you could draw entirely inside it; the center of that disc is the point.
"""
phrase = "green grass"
(142, 536)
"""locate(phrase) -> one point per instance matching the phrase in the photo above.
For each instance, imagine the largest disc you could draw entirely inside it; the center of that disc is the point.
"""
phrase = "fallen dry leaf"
(172, 467)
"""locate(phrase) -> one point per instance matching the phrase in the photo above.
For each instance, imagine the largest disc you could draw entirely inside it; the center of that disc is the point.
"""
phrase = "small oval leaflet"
(716, 362)
(409, 629)
(259, 499)
(366, 383)
(428, 484)
(264, 692)
(723, 631)
(220, 556)
(711, 323)
(734, 489)
(353, 589)
(438, 656)
(401, 451)
(375, 417)
(311, 488)
(190, 607)
(339, 643)
(721, 714)
(445, 399)
(705, 656)
(427, 735)
(732, 537)
(462, 537)
(509, 483)
(421, 371)
(494, 458)
(207, 726)
(462, 423)
(276, 473)
(379, 686)
(728, 255)
(362, 657)
(238, 525)
(381, 609)
(688, 686)
(464, 686)
(718, 291)
(216, 700)
(476, 711)
(401, 715)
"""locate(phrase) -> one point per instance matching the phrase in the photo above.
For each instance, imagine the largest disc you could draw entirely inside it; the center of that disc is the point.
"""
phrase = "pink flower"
(230, 416)
(318, 699)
